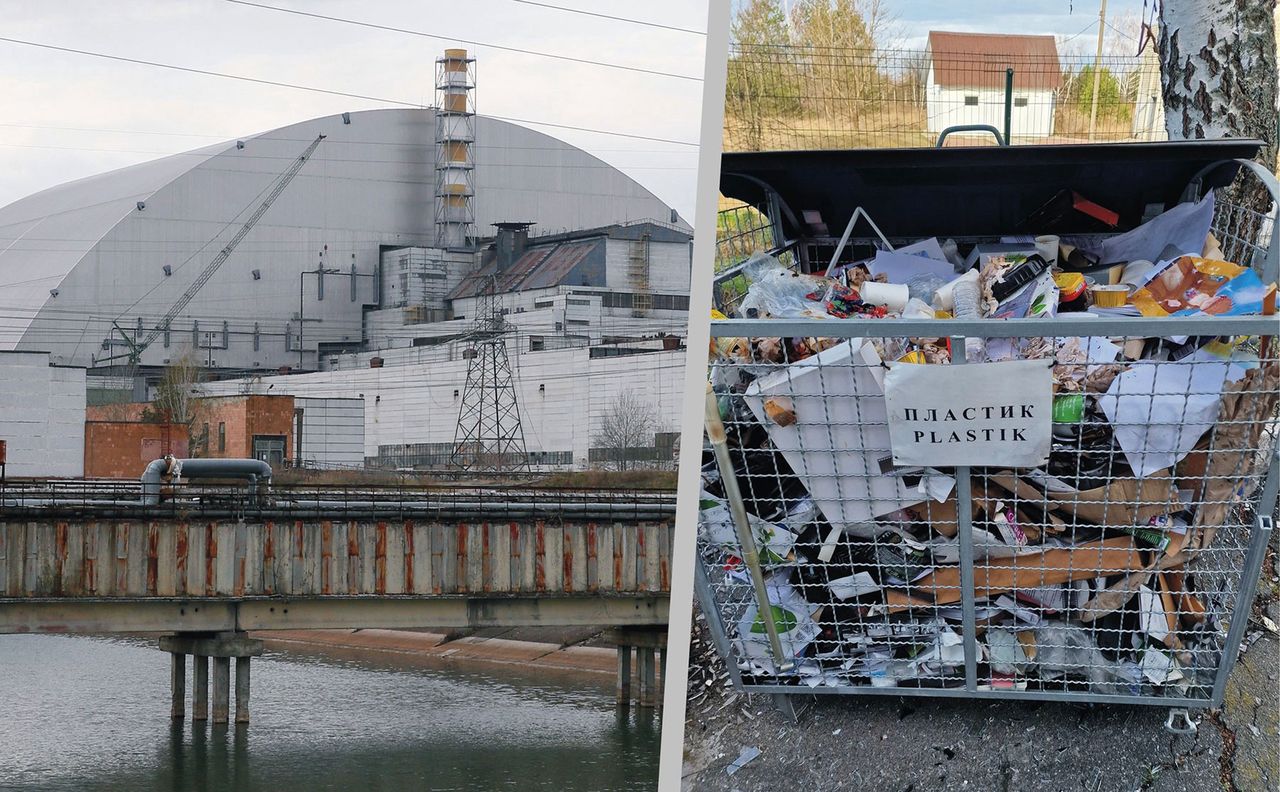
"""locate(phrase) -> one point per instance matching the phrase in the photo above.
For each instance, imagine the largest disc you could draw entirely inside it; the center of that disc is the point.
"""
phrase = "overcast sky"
(58, 105)
(1063, 18)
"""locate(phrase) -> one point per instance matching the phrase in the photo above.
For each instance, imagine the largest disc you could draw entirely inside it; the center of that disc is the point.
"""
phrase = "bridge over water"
(210, 563)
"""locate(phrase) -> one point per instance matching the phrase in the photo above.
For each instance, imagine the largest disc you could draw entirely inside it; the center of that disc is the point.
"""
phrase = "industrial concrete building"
(364, 255)
(411, 400)
(85, 263)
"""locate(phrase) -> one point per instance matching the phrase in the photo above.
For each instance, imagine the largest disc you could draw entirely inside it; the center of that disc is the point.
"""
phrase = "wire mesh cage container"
(1043, 503)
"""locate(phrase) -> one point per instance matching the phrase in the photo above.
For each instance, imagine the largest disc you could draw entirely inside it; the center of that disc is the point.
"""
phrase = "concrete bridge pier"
(649, 646)
(200, 685)
(221, 647)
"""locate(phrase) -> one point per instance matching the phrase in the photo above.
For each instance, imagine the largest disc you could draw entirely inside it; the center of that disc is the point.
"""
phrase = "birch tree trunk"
(1218, 73)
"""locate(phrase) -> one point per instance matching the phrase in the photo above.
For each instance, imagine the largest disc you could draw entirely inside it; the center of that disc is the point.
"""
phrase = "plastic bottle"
(966, 297)
(922, 287)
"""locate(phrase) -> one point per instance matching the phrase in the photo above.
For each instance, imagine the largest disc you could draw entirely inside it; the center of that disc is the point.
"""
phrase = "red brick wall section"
(122, 449)
(243, 417)
(126, 411)
(270, 415)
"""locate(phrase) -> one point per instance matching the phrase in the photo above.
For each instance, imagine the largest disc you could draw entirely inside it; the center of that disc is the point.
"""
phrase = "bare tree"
(177, 398)
(1218, 71)
(628, 424)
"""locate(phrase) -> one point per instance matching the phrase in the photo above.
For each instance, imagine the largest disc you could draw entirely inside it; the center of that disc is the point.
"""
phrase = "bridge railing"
(123, 499)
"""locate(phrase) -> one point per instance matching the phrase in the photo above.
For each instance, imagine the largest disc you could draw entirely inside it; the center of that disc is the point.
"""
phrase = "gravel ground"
(894, 744)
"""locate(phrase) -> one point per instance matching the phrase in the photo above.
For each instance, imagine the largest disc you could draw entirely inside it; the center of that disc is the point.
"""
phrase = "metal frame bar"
(958, 692)
(710, 609)
(987, 328)
(1244, 600)
(964, 529)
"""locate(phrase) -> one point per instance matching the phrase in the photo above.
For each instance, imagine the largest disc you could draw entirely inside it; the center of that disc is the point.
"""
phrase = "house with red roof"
(967, 80)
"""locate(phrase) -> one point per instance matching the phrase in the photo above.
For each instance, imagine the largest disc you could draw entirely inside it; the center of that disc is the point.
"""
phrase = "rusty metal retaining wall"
(172, 558)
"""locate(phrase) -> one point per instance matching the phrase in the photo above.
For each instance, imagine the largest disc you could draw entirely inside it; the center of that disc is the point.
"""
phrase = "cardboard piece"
(1059, 565)
(1124, 501)
(1190, 609)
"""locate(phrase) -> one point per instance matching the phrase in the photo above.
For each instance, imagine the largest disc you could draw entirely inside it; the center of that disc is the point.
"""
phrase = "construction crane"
(138, 346)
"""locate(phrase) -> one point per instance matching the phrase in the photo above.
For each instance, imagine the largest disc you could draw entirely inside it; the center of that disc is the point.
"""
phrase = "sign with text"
(978, 414)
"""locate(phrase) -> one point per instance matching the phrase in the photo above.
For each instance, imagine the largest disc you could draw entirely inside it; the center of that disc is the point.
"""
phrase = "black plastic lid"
(975, 191)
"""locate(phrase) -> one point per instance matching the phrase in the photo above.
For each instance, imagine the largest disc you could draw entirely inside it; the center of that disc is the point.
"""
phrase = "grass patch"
(663, 480)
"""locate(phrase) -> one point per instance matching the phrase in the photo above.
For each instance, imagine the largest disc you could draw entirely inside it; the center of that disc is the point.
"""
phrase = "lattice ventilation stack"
(455, 137)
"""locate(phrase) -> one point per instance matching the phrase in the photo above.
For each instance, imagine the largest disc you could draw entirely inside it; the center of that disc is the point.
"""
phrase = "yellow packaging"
(1109, 296)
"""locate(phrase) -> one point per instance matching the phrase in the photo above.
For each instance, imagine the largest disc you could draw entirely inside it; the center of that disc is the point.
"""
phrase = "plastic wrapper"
(778, 292)
(1191, 285)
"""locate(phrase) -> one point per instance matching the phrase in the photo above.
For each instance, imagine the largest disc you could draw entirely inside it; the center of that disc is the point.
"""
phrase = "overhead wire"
(602, 166)
(630, 20)
(470, 42)
(314, 89)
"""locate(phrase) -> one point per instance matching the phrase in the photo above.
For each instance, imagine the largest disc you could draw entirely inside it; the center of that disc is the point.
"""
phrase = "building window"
(537, 343)
(222, 437)
(1020, 101)
(971, 101)
(257, 338)
(166, 336)
(576, 301)
(544, 303)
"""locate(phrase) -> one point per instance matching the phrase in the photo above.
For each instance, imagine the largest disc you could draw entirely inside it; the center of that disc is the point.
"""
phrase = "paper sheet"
(1151, 614)
(925, 247)
(854, 585)
(1159, 411)
(902, 267)
(839, 444)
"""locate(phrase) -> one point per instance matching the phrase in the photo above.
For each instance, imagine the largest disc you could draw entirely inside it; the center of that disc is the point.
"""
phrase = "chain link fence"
(797, 97)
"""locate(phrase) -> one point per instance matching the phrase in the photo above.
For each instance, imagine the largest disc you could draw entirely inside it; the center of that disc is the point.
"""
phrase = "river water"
(80, 713)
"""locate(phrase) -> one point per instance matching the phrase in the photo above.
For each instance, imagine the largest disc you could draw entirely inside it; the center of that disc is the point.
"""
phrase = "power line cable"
(610, 16)
(313, 89)
(471, 42)
(602, 166)
(268, 137)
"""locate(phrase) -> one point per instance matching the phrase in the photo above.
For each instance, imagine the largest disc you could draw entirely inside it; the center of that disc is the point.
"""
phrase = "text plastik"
(969, 414)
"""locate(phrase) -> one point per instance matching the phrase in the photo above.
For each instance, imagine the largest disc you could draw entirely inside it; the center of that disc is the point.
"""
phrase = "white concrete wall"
(946, 108)
(332, 432)
(42, 412)
(564, 395)
(669, 264)
(529, 313)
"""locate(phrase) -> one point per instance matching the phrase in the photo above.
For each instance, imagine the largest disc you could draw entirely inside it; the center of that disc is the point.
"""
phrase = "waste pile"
(1092, 572)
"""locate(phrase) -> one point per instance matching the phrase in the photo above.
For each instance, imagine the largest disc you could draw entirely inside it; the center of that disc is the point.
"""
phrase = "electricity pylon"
(488, 436)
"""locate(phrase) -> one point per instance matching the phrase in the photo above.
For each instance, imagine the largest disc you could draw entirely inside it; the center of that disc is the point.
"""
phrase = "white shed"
(966, 81)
